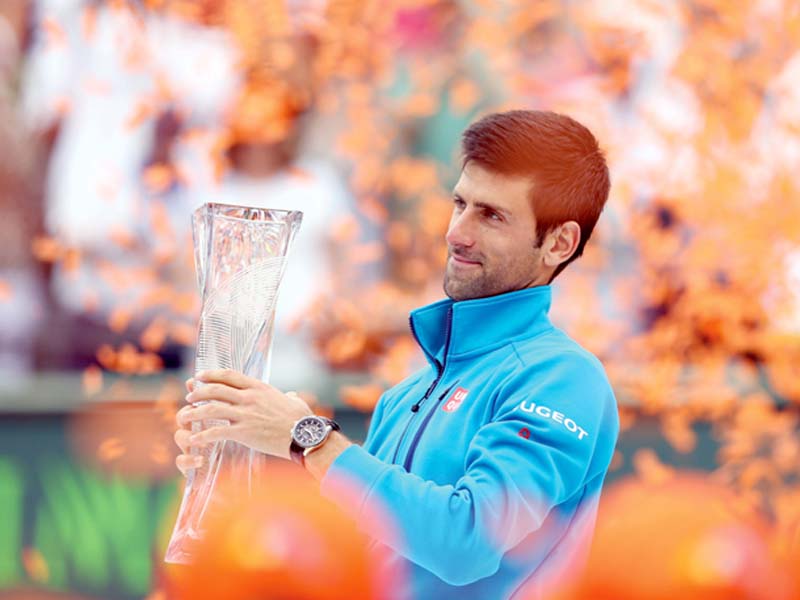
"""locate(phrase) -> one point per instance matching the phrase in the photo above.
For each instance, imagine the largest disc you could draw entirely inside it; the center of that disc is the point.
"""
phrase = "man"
(489, 462)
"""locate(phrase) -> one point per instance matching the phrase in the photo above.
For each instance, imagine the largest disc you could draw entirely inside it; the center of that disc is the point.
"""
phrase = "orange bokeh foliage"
(283, 541)
(681, 536)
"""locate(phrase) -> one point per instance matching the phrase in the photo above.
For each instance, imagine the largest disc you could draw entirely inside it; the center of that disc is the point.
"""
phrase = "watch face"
(309, 432)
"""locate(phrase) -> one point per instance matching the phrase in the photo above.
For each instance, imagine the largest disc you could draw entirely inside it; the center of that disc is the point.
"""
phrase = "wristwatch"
(308, 434)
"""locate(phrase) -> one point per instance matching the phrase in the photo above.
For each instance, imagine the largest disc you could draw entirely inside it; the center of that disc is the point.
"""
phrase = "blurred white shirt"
(106, 85)
(316, 189)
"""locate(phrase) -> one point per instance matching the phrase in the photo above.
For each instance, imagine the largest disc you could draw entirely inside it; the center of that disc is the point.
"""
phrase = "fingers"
(214, 434)
(212, 410)
(215, 391)
(185, 462)
(182, 439)
(190, 385)
(228, 377)
(180, 416)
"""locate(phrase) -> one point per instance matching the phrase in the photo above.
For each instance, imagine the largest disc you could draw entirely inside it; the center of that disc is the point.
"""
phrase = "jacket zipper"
(414, 410)
(439, 372)
(413, 447)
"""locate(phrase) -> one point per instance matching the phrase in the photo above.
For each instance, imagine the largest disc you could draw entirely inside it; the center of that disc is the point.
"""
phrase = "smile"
(462, 261)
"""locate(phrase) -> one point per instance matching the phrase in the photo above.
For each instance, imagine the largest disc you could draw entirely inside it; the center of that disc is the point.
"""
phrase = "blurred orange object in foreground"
(283, 542)
(680, 538)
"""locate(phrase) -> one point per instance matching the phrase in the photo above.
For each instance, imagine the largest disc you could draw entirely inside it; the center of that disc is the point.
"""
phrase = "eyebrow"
(497, 209)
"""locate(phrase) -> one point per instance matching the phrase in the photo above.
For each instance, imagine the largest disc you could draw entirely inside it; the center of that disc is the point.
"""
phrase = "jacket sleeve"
(375, 419)
(518, 467)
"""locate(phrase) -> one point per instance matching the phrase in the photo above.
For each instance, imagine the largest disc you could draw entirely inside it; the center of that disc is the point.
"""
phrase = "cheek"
(511, 251)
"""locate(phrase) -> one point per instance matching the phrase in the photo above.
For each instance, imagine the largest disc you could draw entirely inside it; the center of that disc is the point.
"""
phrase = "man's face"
(492, 236)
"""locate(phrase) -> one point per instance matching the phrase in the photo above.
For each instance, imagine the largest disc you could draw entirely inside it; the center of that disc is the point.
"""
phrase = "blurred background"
(120, 117)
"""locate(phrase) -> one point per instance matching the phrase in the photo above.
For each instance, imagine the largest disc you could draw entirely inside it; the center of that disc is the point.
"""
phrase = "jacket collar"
(480, 325)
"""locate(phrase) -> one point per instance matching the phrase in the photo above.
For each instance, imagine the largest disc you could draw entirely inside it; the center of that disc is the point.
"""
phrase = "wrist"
(319, 460)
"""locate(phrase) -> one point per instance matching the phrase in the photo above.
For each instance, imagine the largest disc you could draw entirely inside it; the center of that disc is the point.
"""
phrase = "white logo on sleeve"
(548, 413)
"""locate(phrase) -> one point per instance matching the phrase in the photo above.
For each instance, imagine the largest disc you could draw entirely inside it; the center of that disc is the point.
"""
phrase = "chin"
(463, 294)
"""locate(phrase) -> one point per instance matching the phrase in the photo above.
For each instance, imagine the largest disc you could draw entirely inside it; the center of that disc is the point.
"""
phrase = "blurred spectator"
(20, 204)
(268, 167)
(105, 74)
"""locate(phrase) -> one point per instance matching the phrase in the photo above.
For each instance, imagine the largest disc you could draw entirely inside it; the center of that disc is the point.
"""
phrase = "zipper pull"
(419, 402)
(447, 391)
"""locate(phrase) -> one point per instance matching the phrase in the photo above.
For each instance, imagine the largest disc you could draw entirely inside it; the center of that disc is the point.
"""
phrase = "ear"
(561, 243)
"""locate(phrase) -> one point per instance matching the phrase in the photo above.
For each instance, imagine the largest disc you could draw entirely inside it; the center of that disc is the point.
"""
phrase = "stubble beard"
(487, 283)
(480, 285)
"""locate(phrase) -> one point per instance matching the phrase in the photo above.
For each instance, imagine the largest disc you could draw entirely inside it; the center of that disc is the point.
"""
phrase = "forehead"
(478, 184)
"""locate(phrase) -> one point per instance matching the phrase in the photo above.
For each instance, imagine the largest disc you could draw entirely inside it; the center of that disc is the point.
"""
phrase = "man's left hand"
(261, 417)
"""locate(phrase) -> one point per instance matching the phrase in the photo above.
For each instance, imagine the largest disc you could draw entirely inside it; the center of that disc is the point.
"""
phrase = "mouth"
(463, 261)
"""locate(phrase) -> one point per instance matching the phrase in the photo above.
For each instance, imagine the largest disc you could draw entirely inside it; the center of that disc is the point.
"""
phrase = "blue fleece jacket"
(488, 463)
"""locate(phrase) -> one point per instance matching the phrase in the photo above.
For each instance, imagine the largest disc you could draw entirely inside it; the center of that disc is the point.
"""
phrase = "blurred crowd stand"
(122, 121)
(108, 83)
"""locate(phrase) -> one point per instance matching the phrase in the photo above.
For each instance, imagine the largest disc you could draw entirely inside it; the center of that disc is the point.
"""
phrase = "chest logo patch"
(455, 400)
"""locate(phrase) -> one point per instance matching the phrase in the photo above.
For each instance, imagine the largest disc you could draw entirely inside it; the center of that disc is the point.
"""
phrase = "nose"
(461, 230)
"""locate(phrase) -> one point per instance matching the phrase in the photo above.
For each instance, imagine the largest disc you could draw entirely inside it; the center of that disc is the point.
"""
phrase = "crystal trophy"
(240, 255)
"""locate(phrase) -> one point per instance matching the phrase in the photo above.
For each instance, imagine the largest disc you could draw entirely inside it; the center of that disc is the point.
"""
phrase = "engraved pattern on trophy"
(233, 315)
(240, 256)
(230, 324)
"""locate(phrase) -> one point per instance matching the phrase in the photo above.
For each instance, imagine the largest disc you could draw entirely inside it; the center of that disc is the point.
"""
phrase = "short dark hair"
(563, 159)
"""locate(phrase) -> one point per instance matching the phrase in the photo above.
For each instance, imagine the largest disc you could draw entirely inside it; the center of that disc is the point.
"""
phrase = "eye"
(490, 214)
(458, 203)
